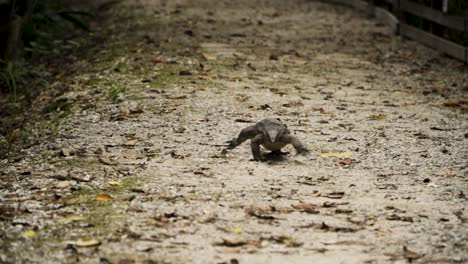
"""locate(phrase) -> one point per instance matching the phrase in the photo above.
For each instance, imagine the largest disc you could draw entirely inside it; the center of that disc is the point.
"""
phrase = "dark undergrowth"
(53, 37)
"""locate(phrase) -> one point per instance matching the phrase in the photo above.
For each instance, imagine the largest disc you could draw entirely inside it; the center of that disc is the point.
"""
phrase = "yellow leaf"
(103, 197)
(131, 142)
(29, 233)
(114, 183)
(87, 242)
(345, 154)
(73, 218)
(237, 230)
(377, 117)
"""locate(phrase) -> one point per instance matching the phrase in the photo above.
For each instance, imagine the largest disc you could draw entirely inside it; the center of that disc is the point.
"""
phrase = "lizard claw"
(232, 143)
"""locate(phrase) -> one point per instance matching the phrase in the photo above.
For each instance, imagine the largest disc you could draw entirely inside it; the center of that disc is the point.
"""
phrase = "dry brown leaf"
(377, 117)
(335, 195)
(176, 97)
(345, 162)
(106, 160)
(305, 206)
(103, 197)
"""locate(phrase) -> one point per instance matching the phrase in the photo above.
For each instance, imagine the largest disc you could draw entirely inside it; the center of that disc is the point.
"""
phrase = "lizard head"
(272, 134)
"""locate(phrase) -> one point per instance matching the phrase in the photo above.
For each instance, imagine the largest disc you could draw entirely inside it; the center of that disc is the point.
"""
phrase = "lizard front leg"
(246, 133)
(297, 144)
(255, 145)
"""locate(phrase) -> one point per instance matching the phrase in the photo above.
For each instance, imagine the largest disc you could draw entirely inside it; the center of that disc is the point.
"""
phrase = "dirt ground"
(130, 167)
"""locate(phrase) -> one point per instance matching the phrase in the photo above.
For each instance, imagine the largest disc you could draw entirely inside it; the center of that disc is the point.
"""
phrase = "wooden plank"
(453, 22)
(440, 44)
(388, 18)
(391, 2)
(342, 2)
(356, 4)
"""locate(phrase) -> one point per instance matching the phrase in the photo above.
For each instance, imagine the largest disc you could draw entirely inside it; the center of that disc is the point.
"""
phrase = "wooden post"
(371, 8)
(445, 6)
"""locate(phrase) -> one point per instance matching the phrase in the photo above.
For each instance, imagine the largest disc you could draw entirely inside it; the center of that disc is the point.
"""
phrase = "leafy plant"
(115, 91)
(9, 77)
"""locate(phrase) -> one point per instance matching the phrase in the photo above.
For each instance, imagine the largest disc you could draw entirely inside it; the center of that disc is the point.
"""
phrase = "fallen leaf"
(103, 197)
(327, 227)
(463, 105)
(307, 208)
(176, 97)
(30, 233)
(395, 217)
(114, 183)
(347, 243)
(285, 240)
(221, 155)
(278, 92)
(345, 162)
(345, 154)
(241, 120)
(329, 204)
(343, 211)
(237, 230)
(131, 142)
(73, 218)
(200, 88)
(210, 56)
(106, 160)
(185, 73)
(377, 117)
(334, 195)
(82, 242)
(293, 104)
(260, 214)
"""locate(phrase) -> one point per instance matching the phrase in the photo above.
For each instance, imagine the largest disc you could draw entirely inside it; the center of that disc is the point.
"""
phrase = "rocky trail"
(130, 167)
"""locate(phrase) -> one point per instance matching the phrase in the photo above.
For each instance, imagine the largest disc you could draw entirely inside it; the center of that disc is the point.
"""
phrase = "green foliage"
(9, 78)
(60, 104)
(115, 91)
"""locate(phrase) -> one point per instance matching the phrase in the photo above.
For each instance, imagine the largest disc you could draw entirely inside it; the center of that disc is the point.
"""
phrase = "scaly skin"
(270, 133)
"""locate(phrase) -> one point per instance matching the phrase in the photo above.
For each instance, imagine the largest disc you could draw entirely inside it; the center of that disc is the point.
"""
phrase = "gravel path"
(135, 172)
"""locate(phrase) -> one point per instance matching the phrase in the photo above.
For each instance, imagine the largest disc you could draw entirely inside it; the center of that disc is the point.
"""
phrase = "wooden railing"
(396, 20)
